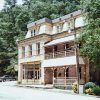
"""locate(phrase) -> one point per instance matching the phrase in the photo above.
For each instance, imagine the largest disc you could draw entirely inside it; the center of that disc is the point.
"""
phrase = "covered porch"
(31, 72)
(63, 71)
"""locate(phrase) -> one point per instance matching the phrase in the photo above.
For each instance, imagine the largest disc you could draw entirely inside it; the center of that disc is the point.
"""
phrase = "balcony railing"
(59, 54)
(64, 81)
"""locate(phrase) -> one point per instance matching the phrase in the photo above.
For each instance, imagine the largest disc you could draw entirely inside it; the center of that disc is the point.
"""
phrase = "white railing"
(64, 81)
(58, 54)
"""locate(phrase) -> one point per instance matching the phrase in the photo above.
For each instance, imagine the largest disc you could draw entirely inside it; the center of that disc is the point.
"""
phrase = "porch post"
(24, 72)
(65, 75)
(27, 73)
(34, 72)
(65, 50)
(53, 76)
(20, 73)
(53, 52)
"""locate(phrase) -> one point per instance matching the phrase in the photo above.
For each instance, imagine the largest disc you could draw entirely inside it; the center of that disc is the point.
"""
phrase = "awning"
(62, 61)
(61, 40)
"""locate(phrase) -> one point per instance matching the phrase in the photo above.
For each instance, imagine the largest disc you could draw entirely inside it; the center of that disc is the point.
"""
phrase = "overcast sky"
(2, 3)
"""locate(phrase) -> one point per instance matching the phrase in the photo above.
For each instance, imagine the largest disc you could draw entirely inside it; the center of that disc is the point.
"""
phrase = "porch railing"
(59, 54)
(63, 81)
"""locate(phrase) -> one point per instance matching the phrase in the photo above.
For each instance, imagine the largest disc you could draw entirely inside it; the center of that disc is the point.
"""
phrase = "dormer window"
(58, 29)
(33, 32)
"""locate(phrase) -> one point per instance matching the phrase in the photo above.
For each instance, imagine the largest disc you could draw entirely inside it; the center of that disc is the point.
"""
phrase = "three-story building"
(47, 54)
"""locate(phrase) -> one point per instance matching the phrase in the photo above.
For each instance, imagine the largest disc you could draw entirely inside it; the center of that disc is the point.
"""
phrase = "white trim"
(62, 62)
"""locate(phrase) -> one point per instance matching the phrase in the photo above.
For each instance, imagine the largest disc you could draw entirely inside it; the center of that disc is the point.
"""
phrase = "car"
(7, 78)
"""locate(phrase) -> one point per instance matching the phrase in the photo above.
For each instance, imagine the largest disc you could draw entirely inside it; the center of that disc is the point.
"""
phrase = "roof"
(39, 22)
(61, 40)
(67, 16)
(55, 20)
(62, 61)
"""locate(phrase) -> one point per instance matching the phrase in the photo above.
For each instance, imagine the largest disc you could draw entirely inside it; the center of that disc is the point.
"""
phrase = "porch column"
(65, 50)
(65, 75)
(20, 73)
(53, 75)
(53, 52)
(34, 72)
(42, 75)
(24, 72)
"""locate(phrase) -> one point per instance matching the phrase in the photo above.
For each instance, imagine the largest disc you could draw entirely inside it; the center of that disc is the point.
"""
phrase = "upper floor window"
(30, 50)
(33, 32)
(37, 48)
(23, 52)
(58, 28)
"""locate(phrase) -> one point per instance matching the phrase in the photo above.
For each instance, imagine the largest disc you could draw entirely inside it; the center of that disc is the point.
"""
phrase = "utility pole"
(77, 56)
(76, 51)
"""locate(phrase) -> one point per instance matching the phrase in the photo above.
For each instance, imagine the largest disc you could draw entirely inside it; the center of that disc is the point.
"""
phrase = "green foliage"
(96, 90)
(89, 85)
(89, 91)
(74, 87)
(14, 19)
(90, 37)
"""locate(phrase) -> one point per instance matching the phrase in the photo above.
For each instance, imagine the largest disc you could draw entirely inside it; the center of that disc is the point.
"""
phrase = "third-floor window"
(59, 28)
(33, 32)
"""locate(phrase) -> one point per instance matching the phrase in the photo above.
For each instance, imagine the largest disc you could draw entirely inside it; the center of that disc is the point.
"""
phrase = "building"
(47, 54)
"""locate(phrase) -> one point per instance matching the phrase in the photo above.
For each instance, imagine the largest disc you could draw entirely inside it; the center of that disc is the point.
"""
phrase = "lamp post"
(76, 53)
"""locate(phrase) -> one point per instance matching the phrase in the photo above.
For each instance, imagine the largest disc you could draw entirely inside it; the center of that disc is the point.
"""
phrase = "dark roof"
(67, 16)
(55, 20)
(39, 22)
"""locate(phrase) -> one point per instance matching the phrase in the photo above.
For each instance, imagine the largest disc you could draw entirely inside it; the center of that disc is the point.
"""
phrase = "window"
(23, 52)
(58, 29)
(33, 32)
(30, 50)
(80, 76)
(55, 48)
(38, 48)
(67, 72)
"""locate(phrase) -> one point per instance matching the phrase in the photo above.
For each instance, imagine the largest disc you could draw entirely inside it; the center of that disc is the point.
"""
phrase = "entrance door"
(37, 74)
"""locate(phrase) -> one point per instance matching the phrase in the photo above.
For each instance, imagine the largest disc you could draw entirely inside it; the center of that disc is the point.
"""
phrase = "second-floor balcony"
(60, 53)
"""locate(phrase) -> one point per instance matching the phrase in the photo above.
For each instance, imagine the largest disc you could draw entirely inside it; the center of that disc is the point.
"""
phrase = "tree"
(14, 19)
(90, 37)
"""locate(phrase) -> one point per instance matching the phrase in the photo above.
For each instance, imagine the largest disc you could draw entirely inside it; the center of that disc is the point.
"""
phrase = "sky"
(2, 3)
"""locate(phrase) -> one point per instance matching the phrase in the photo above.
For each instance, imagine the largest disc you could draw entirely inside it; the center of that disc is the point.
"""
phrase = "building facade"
(47, 54)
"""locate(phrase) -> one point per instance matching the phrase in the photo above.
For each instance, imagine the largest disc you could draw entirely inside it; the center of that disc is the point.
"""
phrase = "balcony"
(61, 53)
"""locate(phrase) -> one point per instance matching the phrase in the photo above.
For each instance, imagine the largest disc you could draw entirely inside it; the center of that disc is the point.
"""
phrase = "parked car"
(7, 78)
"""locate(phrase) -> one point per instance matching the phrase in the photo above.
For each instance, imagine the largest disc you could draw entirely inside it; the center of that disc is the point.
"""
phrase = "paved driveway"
(9, 92)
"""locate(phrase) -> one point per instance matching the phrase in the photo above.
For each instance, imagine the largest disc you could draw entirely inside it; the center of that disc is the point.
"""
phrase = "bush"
(74, 87)
(60, 87)
(96, 90)
(89, 91)
(18, 82)
(89, 85)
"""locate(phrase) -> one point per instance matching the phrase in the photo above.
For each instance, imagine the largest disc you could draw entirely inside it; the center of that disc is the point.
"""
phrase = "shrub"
(89, 85)
(74, 87)
(60, 87)
(96, 90)
(18, 82)
(89, 91)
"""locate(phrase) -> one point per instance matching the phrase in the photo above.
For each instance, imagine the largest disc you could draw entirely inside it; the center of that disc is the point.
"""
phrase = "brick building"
(47, 54)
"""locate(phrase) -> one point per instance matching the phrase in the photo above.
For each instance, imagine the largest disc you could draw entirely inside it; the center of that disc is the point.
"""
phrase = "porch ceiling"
(62, 62)
(61, 40)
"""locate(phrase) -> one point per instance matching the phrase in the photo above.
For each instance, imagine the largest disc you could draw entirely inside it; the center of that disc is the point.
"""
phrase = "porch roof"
(61, 40)
(62, 62)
